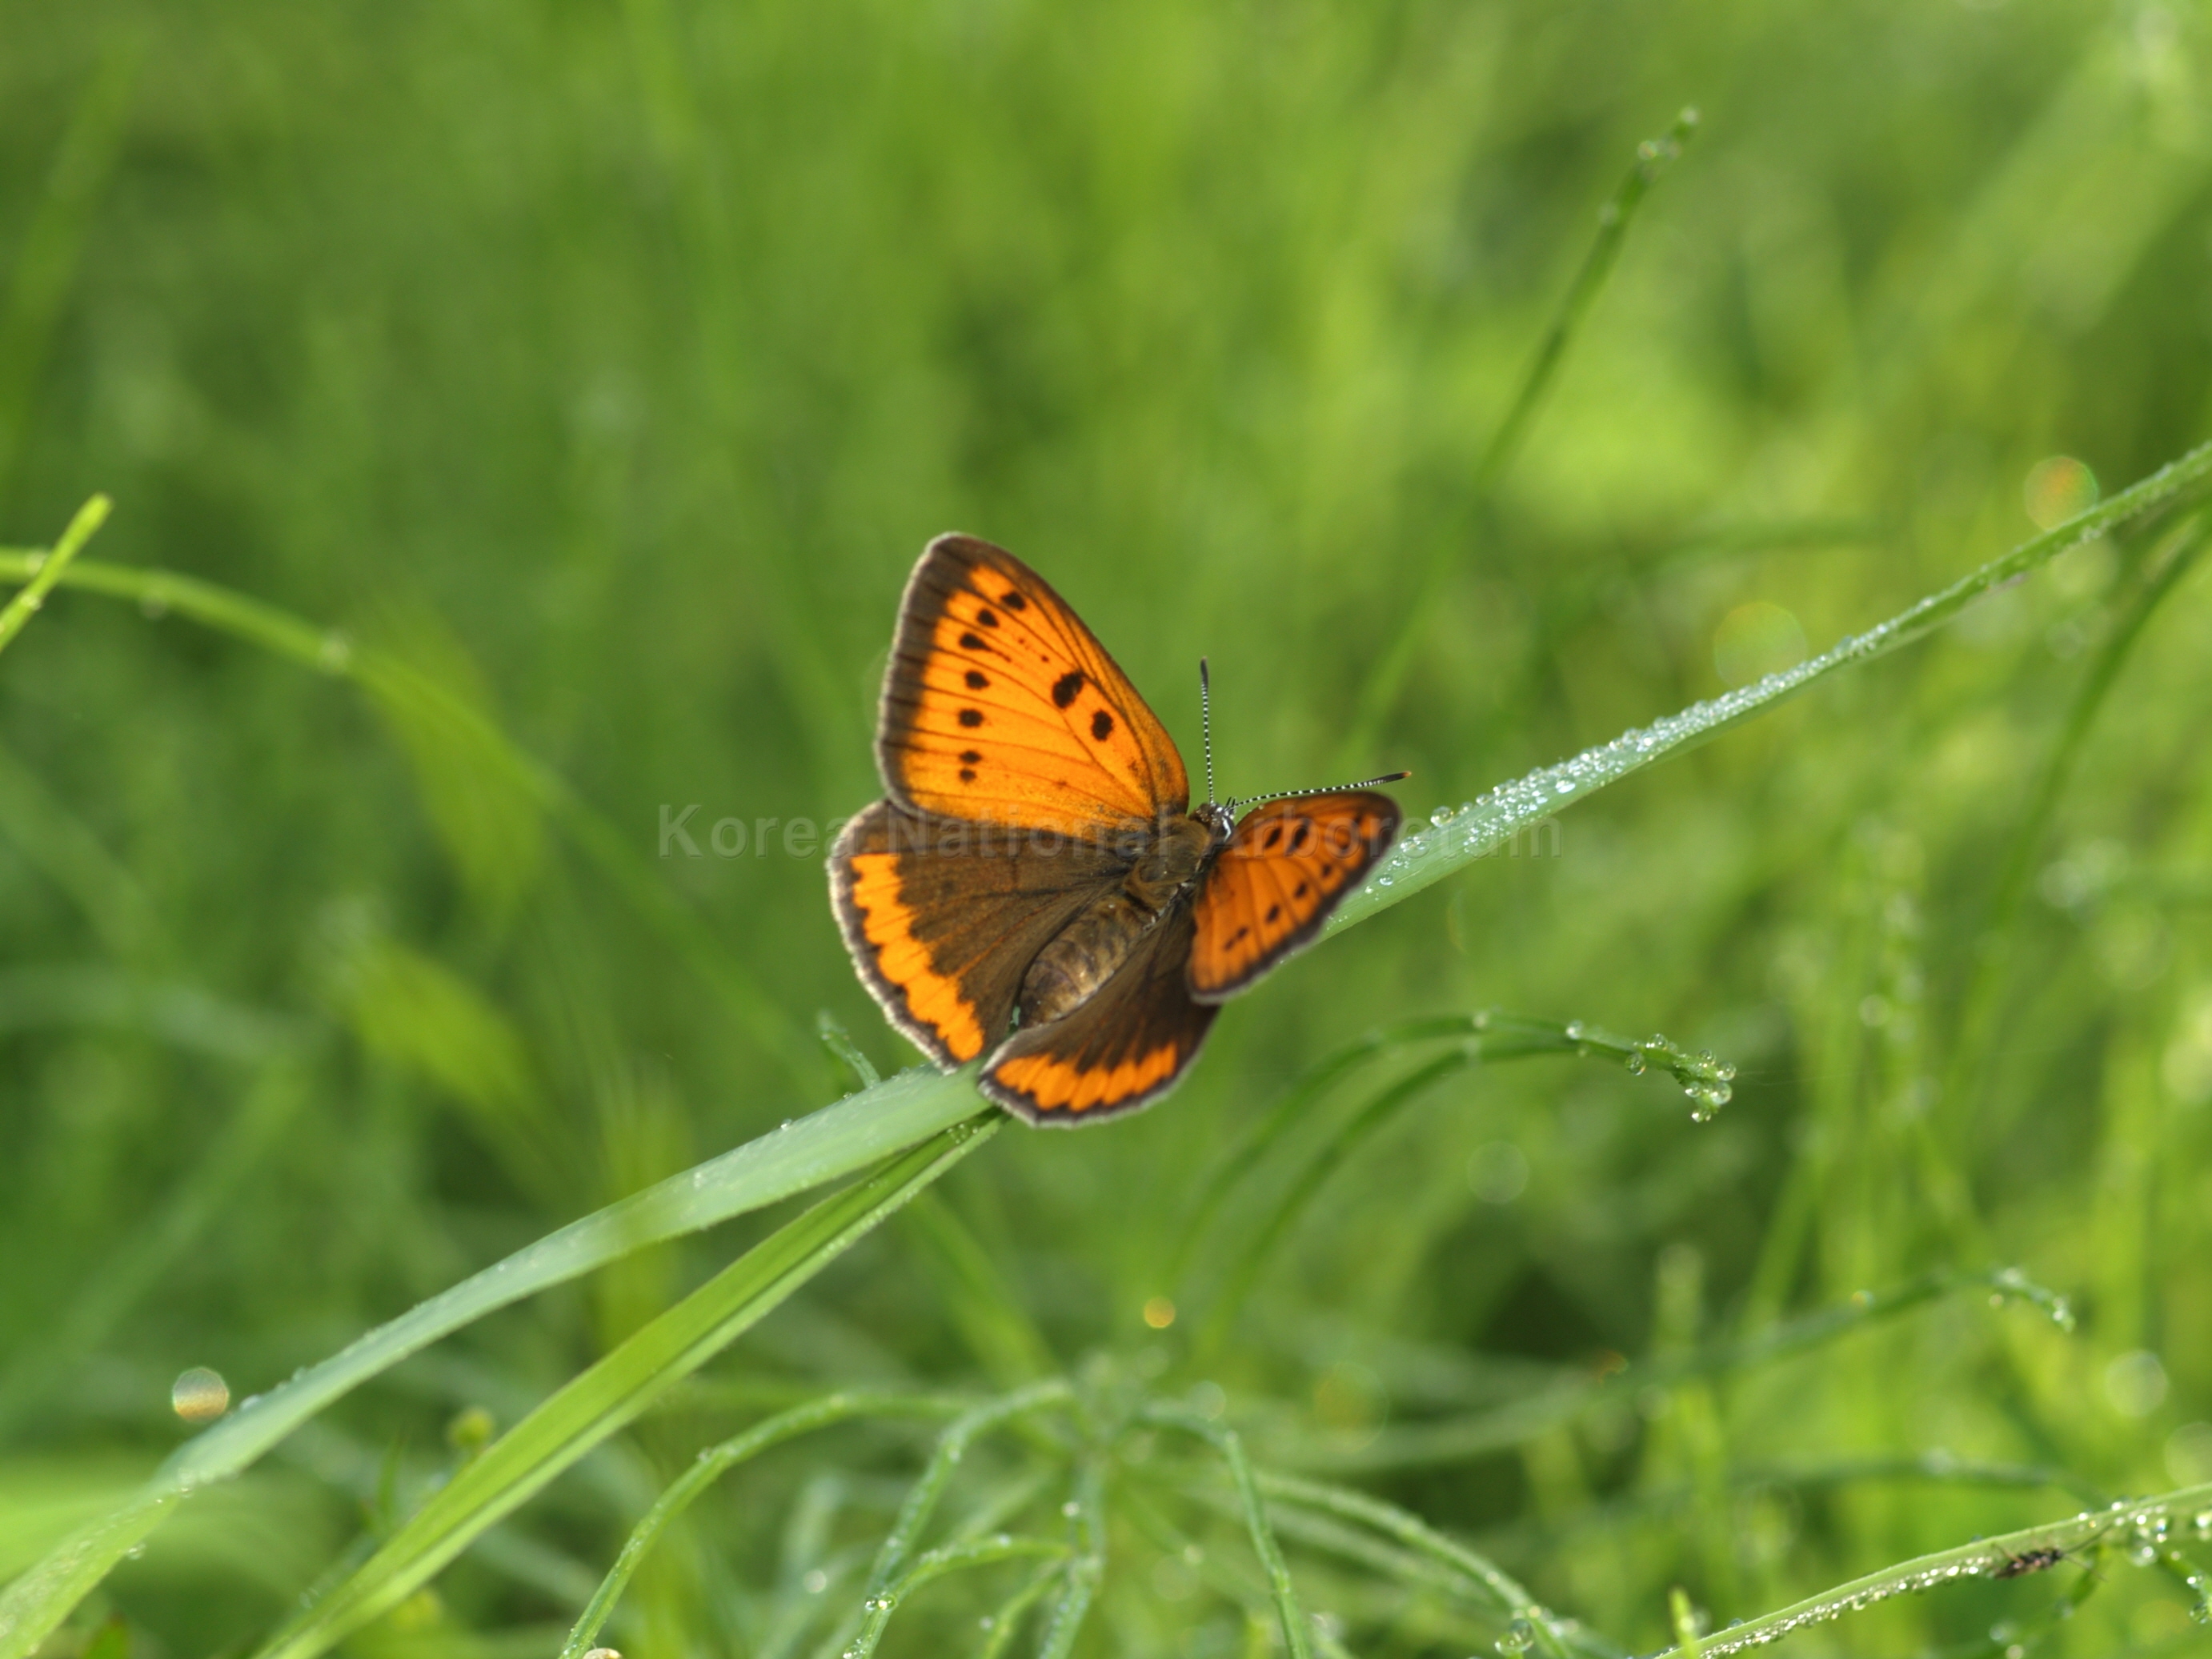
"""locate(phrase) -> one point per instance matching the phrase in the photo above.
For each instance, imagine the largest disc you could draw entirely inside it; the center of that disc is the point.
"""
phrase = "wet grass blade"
(2179, 1512)
(1230, 1445)
(856, 1132)
(715, 1462)
(47, 569)
(614, 1391)
(1428, 855)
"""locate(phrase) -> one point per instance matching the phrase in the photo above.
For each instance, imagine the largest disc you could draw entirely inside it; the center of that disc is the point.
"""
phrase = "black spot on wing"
(970, 757)
(971, 717)
(1013, 601)
(971, 641)
(1101, 725)
(1068, 688)
(976, 680)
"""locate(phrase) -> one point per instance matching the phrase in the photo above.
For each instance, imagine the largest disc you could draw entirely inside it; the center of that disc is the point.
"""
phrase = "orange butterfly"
(1038, 854)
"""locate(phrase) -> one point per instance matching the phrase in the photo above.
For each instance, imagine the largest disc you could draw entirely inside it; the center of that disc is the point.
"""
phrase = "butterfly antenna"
(1205, 725)
(1327, 789)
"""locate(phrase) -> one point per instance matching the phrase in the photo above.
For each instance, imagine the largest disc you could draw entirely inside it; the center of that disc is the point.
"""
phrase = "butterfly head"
(1220, 818)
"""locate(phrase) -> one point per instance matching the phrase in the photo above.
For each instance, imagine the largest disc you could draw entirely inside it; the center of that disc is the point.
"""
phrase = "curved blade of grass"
(835, 1141)
(715, 1462)
(1227, 1442)
(1006, 1623)
(1404, 1527)
(1086, 1571)
(1698, 1073)
(615, 1391)
(2147, 1521)
(935, 1564)
(1380, 693)
(952, 1446)
(1429, 855)
(1484, 1038)
(408, 691)
(50, 568)
(1260, 1135)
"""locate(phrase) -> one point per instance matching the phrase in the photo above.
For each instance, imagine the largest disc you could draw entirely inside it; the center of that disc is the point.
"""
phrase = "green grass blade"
(1227, 1442)
(715, 1462)
(1005, 1623)
(952, 1446)
(45, 569)
(55, 841)
(619, 1387)
(1260, 1135)
(1485, 1038)
(1428, 855)
(1501, 1035)
(935, 1564)
(1079, 1584)
(835, 1141)
(1380, 693)
(1507, 1596)
(2151, 1519)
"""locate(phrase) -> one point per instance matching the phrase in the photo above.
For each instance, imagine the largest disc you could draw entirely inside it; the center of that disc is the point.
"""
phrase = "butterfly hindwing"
(999, 706)
(1285, 867)
(1124, 1047)
(943, 917)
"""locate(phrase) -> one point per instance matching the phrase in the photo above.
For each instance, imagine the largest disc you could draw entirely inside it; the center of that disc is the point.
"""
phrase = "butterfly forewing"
(999, 705)
(1121, 1050)
(1285, 867)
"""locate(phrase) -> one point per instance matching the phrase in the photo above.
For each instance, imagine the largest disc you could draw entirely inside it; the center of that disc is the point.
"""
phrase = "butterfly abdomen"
(1087, 953)
(1068, 971)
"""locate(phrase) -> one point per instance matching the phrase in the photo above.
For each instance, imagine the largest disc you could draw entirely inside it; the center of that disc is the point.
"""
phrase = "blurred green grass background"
(610, 364)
